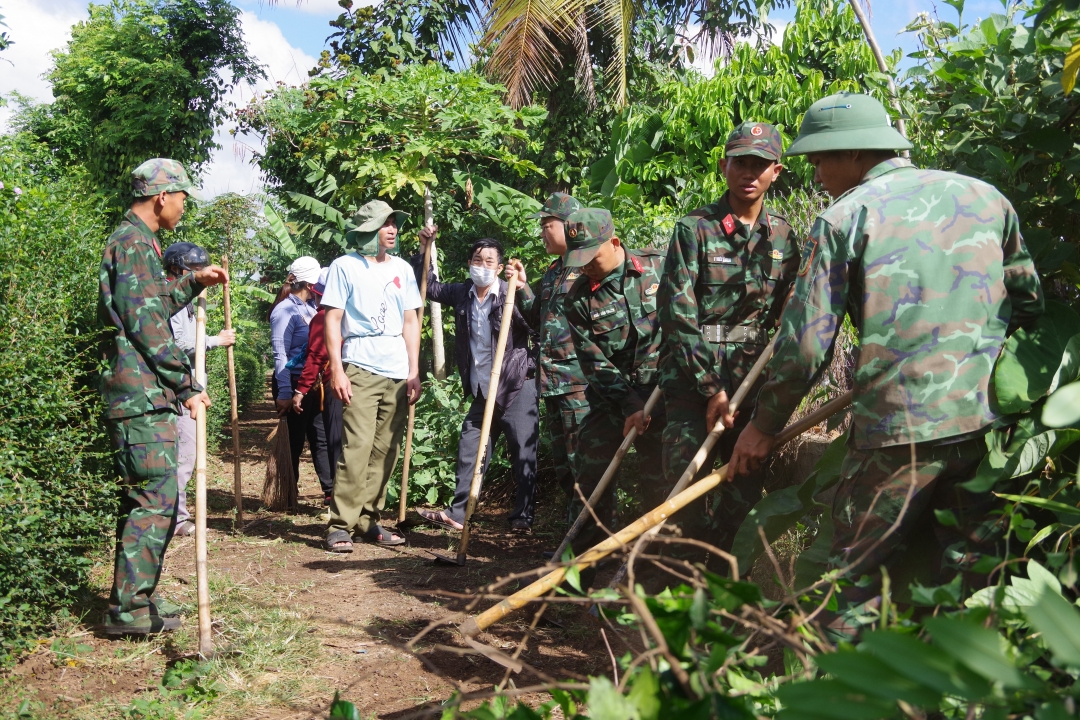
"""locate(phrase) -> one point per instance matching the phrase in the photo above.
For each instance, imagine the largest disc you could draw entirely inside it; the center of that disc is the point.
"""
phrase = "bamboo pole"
(206, 643)
(403, 500)
(605, 479)
(238, 492)
(871, 40)
(438, 347)
(621, 539)
(710, 442)
(489, 411)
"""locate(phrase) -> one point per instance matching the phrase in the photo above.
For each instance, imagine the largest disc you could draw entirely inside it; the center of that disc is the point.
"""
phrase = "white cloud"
(37, 27)
(230, 169)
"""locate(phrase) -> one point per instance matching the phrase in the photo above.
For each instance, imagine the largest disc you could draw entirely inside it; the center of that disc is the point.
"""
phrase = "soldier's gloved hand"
(195, 404)
(637, 420)
(718, 409)
(750, 451)
(212, 275)
(515, 267)
(427, 234)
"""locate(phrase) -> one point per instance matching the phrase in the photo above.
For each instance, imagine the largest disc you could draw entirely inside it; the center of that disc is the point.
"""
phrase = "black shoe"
(521, 526)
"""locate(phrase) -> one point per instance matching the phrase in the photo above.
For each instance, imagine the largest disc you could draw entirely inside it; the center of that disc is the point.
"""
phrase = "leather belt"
(735, 334)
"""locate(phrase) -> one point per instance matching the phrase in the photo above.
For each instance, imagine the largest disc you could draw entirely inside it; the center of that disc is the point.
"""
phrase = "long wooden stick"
(871, 40)
(206, 644)
(238, 491)
(605, 479)
(651, 519)
(710, 442)
(403, 501)
(489, 412)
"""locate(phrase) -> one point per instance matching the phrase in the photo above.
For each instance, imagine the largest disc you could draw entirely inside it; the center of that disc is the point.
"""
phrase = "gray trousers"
(520, 423)
(185, 461)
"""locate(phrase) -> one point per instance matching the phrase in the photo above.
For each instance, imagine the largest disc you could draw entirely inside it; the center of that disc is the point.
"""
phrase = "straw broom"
(206, 643)
(474, 625)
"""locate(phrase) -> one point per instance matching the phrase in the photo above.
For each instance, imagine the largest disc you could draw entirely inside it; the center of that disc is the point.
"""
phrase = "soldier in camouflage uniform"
(561, 382)
(146, 378)
(612, 314)
(932, 270)
(729, 267)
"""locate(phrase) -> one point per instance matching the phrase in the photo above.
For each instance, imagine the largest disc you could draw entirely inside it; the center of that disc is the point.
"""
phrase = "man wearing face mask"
(478, 310)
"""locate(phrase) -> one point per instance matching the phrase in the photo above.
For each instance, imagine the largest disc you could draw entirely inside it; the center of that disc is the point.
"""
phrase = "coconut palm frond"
(583, 74)
(525, 57)
(618, 16)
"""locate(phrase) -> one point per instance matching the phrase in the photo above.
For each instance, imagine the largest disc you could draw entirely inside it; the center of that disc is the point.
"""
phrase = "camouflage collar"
(886, 167)
(723, 209)
(144, 232)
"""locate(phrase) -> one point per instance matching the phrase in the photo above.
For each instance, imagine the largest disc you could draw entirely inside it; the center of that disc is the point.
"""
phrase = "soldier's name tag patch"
(808, 254)
(776, 255)
(722, 259)
(651, 290)
(604, 312)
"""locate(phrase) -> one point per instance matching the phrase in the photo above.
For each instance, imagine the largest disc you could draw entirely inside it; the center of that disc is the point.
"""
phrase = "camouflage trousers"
(145, 448)
(562, 421)
(881, 488)
(684, 433)
(599, 439)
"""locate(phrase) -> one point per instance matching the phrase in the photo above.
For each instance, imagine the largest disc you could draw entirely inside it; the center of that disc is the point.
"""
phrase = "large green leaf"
(926, 665)
(779, 511)
(978, 648)
(830, 699)
(866, 673)
(1059, 623)
(1031, 358)
(1063, 407)
(279, 233)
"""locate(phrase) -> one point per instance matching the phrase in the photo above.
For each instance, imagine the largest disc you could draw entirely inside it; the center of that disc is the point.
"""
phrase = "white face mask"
(481, 276)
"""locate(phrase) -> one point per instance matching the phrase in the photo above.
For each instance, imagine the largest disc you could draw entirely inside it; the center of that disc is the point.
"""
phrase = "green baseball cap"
(586, 230)
(161, 175)
(754, 138)
(559, 205)
(364, 233)
(847, 121)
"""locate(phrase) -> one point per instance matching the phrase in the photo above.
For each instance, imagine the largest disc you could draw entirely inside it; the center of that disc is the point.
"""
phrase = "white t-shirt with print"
(375, 297)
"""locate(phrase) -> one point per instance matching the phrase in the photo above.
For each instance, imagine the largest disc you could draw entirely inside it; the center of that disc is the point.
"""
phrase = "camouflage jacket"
(560, 372)
(145, 370)
(721, 272)
(932, 270)
(615, 330)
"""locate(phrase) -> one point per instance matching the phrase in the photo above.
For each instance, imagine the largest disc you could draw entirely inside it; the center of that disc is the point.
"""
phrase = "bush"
(57, 492)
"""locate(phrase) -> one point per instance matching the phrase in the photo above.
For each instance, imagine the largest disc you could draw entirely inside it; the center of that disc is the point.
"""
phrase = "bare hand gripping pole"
(710, 442)
(403, 501)
(206, 643)
(492, 615)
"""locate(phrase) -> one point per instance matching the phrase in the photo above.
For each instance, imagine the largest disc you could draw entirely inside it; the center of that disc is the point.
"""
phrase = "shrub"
(57, 492)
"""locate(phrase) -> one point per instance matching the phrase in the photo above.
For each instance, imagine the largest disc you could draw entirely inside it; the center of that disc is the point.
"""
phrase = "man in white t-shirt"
(371, 298)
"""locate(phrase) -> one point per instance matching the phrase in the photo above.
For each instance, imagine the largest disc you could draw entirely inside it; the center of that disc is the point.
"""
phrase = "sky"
(287, 37)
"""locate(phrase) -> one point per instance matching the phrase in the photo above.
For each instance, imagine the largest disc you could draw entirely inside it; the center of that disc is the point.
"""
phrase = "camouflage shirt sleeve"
(600, 372)
(1021, 280)
(528, 304)
(677, 305)
(808, 326)
(141, 306)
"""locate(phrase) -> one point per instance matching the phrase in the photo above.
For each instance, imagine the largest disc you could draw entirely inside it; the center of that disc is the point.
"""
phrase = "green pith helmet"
(364, 235)
(161, 175)
(847, 121)
(586, 230)
(559, 205)
(754, 138)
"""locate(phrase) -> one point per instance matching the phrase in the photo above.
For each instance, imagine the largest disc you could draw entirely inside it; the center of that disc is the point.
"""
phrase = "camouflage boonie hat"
(847, 121)
(161, 175)
(754, 138)
(586, 230)
(558, 205)
(364, 233)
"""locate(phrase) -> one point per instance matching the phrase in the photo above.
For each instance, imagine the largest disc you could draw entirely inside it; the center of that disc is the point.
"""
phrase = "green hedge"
(57, 493)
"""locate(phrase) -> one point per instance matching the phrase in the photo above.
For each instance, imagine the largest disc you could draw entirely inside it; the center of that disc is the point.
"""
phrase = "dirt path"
(298, 624)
